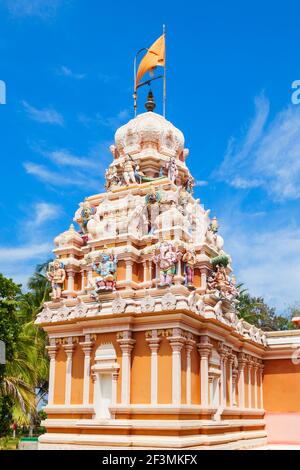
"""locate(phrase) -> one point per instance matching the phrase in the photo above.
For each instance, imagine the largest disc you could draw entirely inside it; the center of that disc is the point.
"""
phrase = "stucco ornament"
(79, 311)
(148, 304)
(118, 304)
(60, 314)
(56, 274)
(106, 268)
(149, 130)
(44, 316)
(166, 257)
(196, 302)
(168, 301)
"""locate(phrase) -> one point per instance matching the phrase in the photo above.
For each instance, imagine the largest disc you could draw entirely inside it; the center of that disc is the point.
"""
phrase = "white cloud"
(55, 178)
(39, 8)
(268, 155)
(47, 115)
(265, 249)
(45, 212)
(23, 253)
(66, 72)
(19, 262)
(65, 158)
(112, 122)
(200, 183)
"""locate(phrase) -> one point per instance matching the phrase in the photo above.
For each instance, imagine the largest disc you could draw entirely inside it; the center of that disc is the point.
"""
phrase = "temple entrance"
(104, 396)
(105, 371)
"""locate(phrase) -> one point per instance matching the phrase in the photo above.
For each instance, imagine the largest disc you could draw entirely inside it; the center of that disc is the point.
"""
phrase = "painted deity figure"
(166, 258)
(56, 275)
(172, 169)
(86, 213)
(138, 174)
(128, 171)
(219, 280)
(189, 260)
(106, 269)
(189, 184)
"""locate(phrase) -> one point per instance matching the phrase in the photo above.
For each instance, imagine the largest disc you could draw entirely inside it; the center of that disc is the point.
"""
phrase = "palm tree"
(25, 379)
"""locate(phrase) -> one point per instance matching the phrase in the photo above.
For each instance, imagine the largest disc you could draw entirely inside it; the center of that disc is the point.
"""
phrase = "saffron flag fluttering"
(154, 57)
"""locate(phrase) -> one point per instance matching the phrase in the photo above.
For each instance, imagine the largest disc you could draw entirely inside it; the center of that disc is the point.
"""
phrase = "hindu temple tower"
(146, 347)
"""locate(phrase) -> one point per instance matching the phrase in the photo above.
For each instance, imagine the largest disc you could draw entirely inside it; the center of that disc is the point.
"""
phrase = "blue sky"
(67, 66)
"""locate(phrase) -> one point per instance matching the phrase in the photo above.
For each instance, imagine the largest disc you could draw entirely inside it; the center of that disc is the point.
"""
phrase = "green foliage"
(24, 380)
(221, 260)
(255, 311)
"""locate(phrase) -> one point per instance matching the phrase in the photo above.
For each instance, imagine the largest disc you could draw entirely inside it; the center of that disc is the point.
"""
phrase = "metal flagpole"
(164, 81)
(134, 79)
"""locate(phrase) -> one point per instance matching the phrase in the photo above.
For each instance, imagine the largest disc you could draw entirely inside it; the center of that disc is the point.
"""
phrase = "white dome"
(149, 130)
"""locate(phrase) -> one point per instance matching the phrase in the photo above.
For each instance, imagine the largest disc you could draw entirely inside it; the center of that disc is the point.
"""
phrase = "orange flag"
(155, 56)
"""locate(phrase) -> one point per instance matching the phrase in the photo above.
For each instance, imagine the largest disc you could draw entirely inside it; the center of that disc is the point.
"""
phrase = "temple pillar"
(255, 368)
(223, 356)
(83, 275)
(87, 349)
(52, 351)
(234, 385)
(128, 264)
(126, 344)
(176, 342)
(145, 271)
(203, 274)
(241, 379)
(261, 369)
(249, 367)
(69, 348)
(71, 276)
(90, 277)
(150, 270)
(230, 363)
(153, 341)
(189, 345)
(115, 376)
(204, 348)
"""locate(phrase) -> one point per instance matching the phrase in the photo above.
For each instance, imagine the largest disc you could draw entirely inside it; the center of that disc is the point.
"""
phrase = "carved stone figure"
(166, 257)
(189, 260)
(106, 268)
(172, 169)
(56, 275)
(112, 178)
(84, 214)
(128, 171)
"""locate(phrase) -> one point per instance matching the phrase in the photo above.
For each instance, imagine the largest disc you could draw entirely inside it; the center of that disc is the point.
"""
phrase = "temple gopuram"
(146, 346)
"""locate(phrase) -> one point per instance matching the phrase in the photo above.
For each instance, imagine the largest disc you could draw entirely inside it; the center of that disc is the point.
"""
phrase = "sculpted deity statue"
(112, 178)
(166, 257)
(106, 269)
(86, 212)
(189, 184)
(189, 260)
(172, 169)
(56, 275)
(128, 171)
